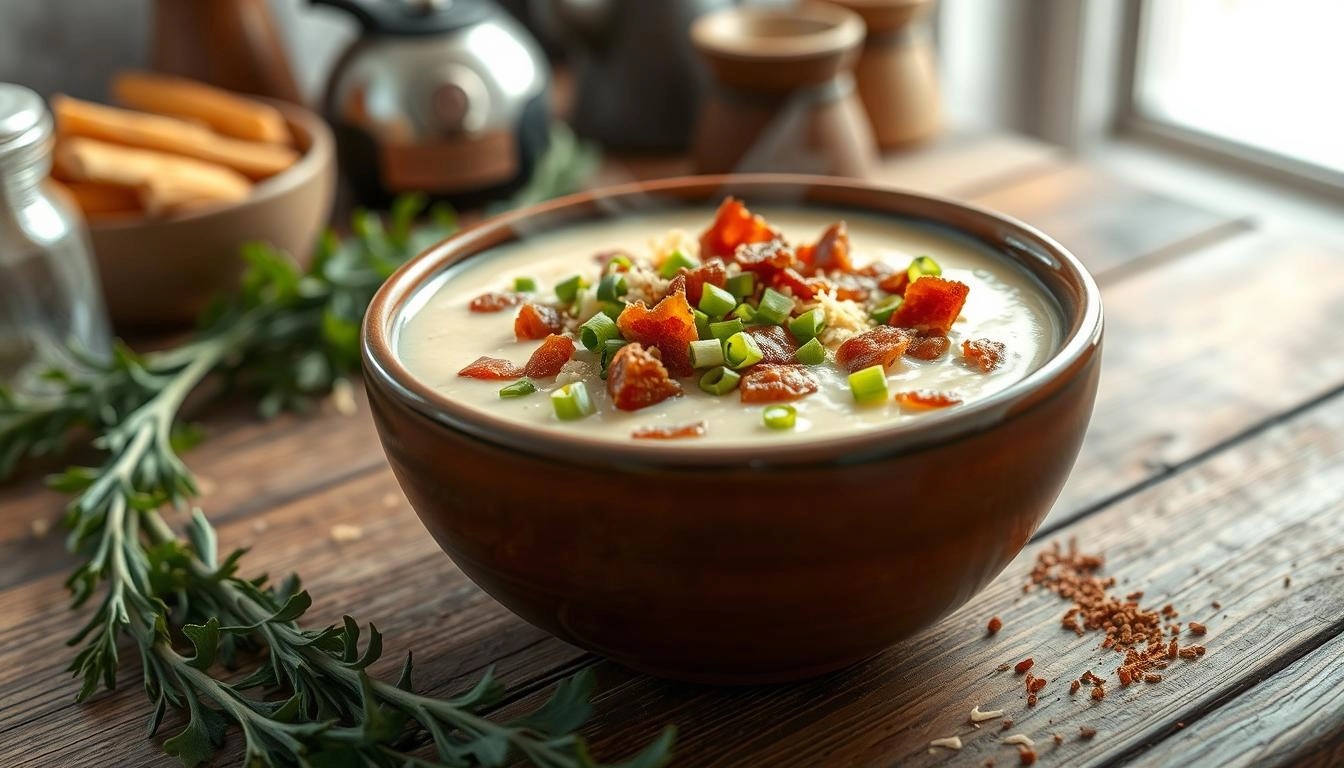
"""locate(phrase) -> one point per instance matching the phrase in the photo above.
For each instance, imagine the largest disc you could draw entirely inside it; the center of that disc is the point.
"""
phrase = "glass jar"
(50, 299)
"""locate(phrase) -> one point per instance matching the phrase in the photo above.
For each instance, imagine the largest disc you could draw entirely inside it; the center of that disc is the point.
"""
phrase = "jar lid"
(24, 120)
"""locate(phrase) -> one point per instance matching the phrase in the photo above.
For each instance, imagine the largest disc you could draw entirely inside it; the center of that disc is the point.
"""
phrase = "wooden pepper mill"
(896, 71)
(233, 44)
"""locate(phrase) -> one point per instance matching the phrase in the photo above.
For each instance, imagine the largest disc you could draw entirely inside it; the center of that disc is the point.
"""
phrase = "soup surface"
(1005, 316)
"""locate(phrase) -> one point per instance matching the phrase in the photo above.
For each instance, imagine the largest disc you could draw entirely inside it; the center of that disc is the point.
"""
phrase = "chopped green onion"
(519, 388)
(921, 266)
(811, 353)
(572, 402)
(702, 324)
(883, 310)
(720, 381)
(567, 290)
(780, 416)
(725, 328)
(742, 285)
(716, 302)
(616, 262)
(524, 285)
(869, 385)
(674, 263)
(612, 309)
(807, 325)
(706, 353)
(609, 349)
(611, 287)
(597, 331)
(775, 307)
(744, 312)
(741, 350)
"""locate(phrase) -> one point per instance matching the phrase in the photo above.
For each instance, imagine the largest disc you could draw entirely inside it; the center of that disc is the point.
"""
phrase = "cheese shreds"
(1020, 738)
(951, 742)
(978, 716)
(670, 241)
(644, 284)
(844, 318)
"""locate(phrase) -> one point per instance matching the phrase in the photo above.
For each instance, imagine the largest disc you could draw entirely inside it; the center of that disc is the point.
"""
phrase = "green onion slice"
(725, 328)
(706, 353)
(597, 331)
(811, 353)
(608, 351)
(741, 351)
(775, 307)
(567, 290)
(780, 416)
(921, 266)
(744, 312)
(807, 325)
(572, 402)
(520, 388)
(618, 261)
(716, 302)
(702, 325)
(611, 287)
(743, 285)
(720, 381)
(883, 310)
(869, 385)
(612, 309)
(524, 285)
(674, 264)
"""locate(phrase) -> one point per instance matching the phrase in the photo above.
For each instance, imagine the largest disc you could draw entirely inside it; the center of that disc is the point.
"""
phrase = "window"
(1263, 77)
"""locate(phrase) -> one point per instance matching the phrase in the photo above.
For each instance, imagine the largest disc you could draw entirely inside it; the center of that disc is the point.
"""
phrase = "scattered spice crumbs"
(1058, 739)
(1196, 628)
(1003, 667)
(1023, 665)
(1026, 756)
(995, 625)
(1086, 732)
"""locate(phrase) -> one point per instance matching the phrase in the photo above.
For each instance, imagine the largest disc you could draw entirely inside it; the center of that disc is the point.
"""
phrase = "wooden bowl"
(813, 555)
(163, 271)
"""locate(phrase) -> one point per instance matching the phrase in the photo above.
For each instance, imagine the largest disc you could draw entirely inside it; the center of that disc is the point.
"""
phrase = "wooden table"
(1213, 473)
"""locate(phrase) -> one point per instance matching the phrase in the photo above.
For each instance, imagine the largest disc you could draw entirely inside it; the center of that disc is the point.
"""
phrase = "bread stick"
(98, 199)
(165, 182)
(169, 134)
(228, 113)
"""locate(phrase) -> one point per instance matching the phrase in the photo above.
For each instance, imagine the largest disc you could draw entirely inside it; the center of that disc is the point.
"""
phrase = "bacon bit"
(1023, 665)
(1036, 684)
(1123, 673)
(1058, 739)
(927, 399)
(1026, 756)
(1006, 725)
(773, 383)
(1003, 668)
(694, 429)
(986, 355)
(637, 379)
(1021, 739)
(928, 347)
(979, 717)
(896, 282)
(1173, 649)
(777, 346)
(733, 226)
(1031, 699)
(880, 346)
(536, 321)
(931, 304)
(1098, 693)
(1189, 652)
(712, 272)
(491, 368)
(765, 258)
(1074, 686)
(995, 624)
(494, 302)
(550, 357)
(830, 252)
(1151, 677)
(669, 326)
(1169, 611)
(1217, 606)
(1197, 629)
(804, 288)
(1086, 732)
(1134, 596)
(951, 742)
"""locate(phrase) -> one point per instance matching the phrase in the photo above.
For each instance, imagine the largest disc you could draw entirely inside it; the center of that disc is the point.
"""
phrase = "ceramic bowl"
(163, 271)
(813, 556)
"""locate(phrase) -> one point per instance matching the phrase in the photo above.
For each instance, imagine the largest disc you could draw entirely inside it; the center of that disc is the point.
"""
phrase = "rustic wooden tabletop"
(1212, 478)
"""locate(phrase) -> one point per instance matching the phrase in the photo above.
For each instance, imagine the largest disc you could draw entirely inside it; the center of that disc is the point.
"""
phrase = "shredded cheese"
(1020, 738)
(951, 742)
(979, 717)
(673, 240)
(844, 318)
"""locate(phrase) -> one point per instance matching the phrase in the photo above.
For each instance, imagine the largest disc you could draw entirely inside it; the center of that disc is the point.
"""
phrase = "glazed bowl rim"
(723, 32)
(384, 370)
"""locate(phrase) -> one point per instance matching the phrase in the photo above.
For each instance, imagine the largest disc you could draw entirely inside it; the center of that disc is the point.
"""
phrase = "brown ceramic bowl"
(813, 556)
(163, 271)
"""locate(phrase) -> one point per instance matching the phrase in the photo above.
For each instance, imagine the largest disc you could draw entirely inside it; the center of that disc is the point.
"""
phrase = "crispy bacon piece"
(931, 305)
(694, 429)
(711, 272)
(765, 383)
(927, 399)
(550, 357)
(804, 288)
(733, 225)
(896, 282)
(830, 252)
(928, 347)
(880, 346)
(852, 286)
(669, 326)
(637, 379)
(765, 258)
(777, 346)
(536, 321)
(984, 354)
(493, 301)
(876, 269)
(491, 368)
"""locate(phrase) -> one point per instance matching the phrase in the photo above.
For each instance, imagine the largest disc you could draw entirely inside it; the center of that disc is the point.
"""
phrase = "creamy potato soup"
(729, 327)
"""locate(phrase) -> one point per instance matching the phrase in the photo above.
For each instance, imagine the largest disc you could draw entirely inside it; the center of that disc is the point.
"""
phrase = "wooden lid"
(778, 48)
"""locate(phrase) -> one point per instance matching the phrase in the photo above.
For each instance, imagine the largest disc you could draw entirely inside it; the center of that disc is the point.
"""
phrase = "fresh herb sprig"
(308, 700)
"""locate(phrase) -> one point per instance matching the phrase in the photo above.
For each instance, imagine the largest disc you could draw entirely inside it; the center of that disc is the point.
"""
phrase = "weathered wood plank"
(1291, 718)
(1229, 530)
